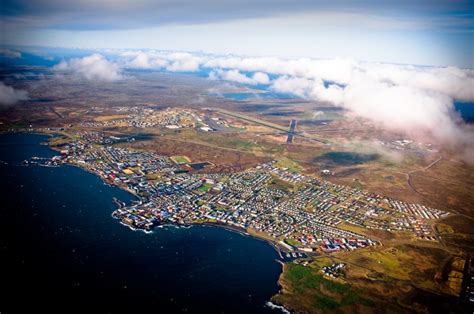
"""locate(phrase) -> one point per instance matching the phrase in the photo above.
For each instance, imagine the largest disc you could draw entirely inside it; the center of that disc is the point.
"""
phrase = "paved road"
(291, 133)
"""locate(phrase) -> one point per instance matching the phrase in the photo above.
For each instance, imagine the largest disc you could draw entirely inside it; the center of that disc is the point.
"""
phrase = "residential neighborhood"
(295, 211)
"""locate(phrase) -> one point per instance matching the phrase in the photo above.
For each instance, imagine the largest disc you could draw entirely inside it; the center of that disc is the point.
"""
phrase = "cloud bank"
(238, 77)
(172, 62)
(8, 53)
(93, 67)
(414, 100)
(10, 96)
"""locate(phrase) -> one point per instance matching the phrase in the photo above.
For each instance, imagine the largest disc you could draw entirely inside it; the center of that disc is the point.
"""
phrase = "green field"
(227, 141)
(180, 159)
(321, 293)
(205, 187)
(444, 229)
(293, 242)
(292, 166)
(253, 120)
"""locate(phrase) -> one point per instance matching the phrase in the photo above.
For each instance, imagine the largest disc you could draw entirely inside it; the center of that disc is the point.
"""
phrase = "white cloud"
(141, 60)
(411, 99)
(454, 82)
(404, 98)
(238, 77)
(451, 81)
(403, 108)
(170, 61)
(93, 67)
(182, 62)
(10, 96)
(10, 53)
(307, 76)
(418, 104)
(339, 70)
(261, 78)
(298, 86)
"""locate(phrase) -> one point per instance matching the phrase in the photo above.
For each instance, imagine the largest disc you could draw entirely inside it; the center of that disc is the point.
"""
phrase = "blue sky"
(412, 32)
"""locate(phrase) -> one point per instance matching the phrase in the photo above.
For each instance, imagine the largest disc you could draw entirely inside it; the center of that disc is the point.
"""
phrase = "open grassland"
(316, 294)
(180, 159)
(224, 159)
(395, 278)
(286, 163)
(109, 117)
(400, 263)
(251, 119)
(444, 229)
(449, 183)
(461, 239)
(446, 186)
(236, 141)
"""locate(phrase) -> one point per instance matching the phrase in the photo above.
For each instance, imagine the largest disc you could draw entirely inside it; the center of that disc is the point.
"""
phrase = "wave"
(174, 225)
(274, 306)
(136, 229)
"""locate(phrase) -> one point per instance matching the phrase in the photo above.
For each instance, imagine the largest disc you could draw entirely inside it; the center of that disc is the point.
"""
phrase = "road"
(51, 108)
(291, 133)
(267, 124)
(408, 174)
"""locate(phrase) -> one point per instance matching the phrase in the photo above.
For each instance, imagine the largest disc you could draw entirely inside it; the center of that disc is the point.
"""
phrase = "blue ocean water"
(63, 252)
(466, 110)
(264, 95)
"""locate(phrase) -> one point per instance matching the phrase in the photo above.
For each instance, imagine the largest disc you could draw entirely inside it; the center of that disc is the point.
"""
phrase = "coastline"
(156, 251)
(237, 229)
(272, 302)
(241, 231)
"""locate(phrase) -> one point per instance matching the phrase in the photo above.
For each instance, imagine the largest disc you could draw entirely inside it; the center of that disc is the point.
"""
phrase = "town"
(296, 212)
(173, 119)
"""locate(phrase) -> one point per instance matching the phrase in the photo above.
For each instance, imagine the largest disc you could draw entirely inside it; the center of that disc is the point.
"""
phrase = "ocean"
(465, 110)
(63, 252)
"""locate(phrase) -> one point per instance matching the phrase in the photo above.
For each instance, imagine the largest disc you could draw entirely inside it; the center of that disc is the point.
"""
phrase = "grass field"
(281, 185)
(109, 117)
(205, 187)
(391, 278)
(320, 294)
(292, 166)
(293, 242)
(253, 120)
(444, 229)
(180, 159)
(153, 176)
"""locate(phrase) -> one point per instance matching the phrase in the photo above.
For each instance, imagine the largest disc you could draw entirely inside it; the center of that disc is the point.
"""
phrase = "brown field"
(109, 118)
(404, 274)
(224, 159)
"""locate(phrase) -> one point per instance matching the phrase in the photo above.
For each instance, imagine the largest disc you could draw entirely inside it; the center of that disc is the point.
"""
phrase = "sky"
(439, 33)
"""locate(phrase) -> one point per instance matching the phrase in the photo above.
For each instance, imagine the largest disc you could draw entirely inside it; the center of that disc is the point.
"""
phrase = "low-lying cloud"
(93, 67)
(238, 77)
(171, 61)
(182, 62)
(417, 102)
(8, 53)
(10, 96)
(414, 100)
